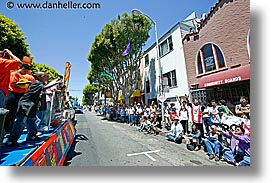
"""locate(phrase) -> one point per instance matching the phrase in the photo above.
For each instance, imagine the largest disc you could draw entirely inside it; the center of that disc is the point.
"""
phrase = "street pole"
(160, 73)
(137, 12)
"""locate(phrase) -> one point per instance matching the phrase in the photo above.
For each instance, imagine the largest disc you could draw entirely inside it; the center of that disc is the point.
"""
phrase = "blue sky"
(59, 35)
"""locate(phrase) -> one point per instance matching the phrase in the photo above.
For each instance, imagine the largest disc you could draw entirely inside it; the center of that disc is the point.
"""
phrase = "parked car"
(69, 112)
(78, 109)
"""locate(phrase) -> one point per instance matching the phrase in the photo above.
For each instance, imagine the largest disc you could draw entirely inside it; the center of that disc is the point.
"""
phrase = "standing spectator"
(206, 116)
(183, 117)
(196, 114)
(146, 111)
(166, 116)
(176, 131)
(239, 152)
(243, 109)
(19, 82)
(123, 114)
(27, 109)
(131, 112)
(230, 106)
(195, 137)
(223, 105)
(212, 144)
(8, 62)
(45, 108)
(214, 113)
(139, 112)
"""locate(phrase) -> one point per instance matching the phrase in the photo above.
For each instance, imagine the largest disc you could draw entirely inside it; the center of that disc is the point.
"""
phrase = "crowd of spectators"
(217, 127)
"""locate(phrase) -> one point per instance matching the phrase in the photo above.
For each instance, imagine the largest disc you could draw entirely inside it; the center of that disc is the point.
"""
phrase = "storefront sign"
(224, 81)
(226, 77)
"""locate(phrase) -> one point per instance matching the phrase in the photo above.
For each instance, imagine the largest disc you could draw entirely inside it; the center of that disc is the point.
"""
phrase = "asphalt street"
(104, 143)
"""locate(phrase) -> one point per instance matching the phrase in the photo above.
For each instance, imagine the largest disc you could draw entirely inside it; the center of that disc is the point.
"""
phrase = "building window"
(171, 78)
(166, 46)
(147, 85)
(146, 60)
(209, 58)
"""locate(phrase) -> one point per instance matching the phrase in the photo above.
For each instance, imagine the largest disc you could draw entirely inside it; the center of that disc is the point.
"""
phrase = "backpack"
(190, 146)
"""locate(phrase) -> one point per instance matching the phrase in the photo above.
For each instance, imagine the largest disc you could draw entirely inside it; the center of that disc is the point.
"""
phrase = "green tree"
(88, 92)
(105, 54)
(12, 38)
(52, 73)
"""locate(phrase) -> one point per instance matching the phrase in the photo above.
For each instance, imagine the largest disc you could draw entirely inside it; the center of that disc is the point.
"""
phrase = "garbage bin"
(3, 114)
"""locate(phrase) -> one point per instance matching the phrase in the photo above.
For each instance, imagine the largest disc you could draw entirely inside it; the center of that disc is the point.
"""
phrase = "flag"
(127, 50)
(67, 73)
(102, 74)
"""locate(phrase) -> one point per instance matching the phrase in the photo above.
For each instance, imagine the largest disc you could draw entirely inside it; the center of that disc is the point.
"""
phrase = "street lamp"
(138, 13)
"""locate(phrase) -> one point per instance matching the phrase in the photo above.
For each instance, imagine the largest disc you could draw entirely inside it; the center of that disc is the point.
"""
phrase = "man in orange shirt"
(19, 81)
(8, 62)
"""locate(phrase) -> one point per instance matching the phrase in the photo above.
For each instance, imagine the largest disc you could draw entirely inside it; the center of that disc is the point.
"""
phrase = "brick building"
(217, 55)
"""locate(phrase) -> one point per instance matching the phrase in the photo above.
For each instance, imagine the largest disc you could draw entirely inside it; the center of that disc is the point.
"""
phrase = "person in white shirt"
(139, 112)
(213, 145)
(176, 131)
(214, 113)
(146, 111)
(183, 117)
(206, 116)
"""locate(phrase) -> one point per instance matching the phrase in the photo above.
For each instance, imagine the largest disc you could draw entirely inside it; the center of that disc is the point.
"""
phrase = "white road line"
(153, 159)
(146, 154)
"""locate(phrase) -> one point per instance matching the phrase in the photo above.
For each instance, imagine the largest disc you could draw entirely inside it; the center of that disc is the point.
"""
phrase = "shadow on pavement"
(72, 153)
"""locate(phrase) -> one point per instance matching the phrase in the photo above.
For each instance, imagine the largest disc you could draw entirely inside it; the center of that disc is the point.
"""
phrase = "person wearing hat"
(176, 131)
(19, 82)
(8, 62)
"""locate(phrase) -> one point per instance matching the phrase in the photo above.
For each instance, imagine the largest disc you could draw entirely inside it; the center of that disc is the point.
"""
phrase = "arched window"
(209, 58)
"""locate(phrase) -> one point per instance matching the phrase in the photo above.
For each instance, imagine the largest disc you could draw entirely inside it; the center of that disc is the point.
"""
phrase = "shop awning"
(136, 93)
(238, 74)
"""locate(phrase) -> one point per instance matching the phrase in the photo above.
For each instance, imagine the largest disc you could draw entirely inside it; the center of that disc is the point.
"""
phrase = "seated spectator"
(195, 137)
(212, 144)
(27, 109)
(239, 152)
(155, 126)
(176, 131)
(144, 125)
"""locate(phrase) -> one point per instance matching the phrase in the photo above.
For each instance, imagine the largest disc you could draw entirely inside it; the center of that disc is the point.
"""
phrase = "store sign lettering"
(224, 81)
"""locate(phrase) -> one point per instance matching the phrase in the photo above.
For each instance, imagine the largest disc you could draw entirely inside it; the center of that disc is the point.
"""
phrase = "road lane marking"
(145, 153)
